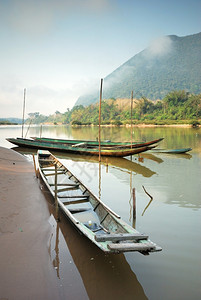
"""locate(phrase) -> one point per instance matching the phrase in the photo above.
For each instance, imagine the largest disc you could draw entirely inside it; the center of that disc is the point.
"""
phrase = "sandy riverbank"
(26, 271)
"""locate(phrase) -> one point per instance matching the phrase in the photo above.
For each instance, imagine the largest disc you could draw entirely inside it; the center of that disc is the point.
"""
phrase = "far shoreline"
(109, 125)
(137, 125)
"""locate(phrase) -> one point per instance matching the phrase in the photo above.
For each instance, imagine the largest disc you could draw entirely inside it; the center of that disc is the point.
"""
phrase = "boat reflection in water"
(119, 162)
(104, 276)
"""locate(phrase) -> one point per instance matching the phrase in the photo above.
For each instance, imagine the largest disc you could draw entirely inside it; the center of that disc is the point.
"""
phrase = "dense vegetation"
(7, 123)
(173, 63)
(176, 107)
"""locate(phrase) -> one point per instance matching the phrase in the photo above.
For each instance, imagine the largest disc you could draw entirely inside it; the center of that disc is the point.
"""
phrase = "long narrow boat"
(104, 144)
(87, 212)
(172, 151)
(79, 150)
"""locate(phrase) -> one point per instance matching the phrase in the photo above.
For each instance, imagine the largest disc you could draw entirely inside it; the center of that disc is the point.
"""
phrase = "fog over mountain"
(169, 63)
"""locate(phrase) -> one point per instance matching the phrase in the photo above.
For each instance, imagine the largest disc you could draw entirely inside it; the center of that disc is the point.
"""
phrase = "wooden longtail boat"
(87, 212)
(104, 144)
(172, 151)
(79, 150)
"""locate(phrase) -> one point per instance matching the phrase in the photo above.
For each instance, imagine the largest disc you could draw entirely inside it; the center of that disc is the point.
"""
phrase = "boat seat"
(69, 187)
(76, 201)
(78, 210)
(131, 247)
(120, 237)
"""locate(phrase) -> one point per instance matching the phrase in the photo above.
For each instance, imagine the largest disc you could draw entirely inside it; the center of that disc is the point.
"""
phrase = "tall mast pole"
(99, 131)
(131, 119)
(23, 113)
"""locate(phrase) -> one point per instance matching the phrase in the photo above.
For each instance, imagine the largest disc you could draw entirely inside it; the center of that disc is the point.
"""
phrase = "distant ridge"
(12, 120)
(169, 63)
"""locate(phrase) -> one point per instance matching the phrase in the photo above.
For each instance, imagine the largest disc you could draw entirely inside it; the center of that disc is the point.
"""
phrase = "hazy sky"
(58, 49)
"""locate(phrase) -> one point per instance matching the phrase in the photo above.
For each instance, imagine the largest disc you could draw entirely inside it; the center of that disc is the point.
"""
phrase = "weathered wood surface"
(130, 246)
(80, 144)
(120, 237)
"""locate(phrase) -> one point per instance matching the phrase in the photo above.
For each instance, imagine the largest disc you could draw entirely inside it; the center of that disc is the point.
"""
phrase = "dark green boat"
(78, 148)
(104, 144)
(172, 151)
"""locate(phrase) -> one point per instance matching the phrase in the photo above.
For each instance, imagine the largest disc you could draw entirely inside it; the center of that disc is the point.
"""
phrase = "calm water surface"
(172, 219)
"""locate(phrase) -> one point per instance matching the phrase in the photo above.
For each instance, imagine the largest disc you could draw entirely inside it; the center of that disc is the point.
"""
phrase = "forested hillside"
(171, 63)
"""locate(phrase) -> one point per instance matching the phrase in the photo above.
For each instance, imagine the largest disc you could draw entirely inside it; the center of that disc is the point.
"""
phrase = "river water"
(172, 219)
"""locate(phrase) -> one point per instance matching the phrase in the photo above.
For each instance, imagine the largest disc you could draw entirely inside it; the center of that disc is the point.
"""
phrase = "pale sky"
(60, 49)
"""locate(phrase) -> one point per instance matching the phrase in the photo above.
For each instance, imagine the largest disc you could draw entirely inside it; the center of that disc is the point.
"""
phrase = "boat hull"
(172, 151)
(88, 213)
(77, 150)
(104, 144)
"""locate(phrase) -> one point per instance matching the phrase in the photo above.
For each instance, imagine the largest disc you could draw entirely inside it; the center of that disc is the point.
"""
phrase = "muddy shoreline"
(26, 269)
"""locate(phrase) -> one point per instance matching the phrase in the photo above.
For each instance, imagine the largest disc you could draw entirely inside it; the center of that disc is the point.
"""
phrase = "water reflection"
(174, 156)
(56, 261)
(99, 180)
(119, 162)
(147, 206)
(152, 157)
(104, 276)
(169, 174)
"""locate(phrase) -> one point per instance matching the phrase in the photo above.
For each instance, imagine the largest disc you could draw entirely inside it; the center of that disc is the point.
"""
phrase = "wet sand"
(42, 259)
(25, 268)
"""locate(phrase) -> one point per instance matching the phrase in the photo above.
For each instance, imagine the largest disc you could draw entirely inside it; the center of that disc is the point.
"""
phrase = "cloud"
(39, 98)
(160, 46)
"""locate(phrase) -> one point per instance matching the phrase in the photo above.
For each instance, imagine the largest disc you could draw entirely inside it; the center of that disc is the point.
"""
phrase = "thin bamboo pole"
(40, 131)
(23, 113)
(99, 186)
(99, 132)
(131, 119)
(134, 204)
(55, 194)
(36, 172)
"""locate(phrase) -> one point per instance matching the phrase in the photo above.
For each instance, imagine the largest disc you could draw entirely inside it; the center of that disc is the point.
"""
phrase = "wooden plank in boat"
(77, 201)
(46, 160)
(78, 210)
(130, 246)
(65, 184)
(53, 174)
(48, 169)
(69, 188)
(76, 196)
(120, 237)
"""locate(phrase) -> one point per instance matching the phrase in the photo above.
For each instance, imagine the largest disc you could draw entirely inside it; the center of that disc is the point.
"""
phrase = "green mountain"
(170, 63)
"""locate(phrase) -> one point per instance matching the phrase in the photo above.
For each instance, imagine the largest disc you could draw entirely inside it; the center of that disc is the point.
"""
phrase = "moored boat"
(104, 144)
(172, 151)
(29, 143)
(88, 213)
